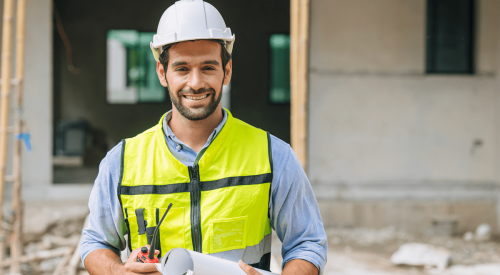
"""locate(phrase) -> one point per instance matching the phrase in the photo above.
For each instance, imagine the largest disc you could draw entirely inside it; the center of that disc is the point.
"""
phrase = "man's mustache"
(190, 91)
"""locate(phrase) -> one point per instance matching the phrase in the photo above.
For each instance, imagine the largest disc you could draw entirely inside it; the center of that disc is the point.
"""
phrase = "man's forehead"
(199, 51)
(196, 47)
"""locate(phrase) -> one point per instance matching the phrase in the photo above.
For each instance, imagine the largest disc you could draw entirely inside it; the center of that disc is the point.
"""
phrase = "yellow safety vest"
(220, 204)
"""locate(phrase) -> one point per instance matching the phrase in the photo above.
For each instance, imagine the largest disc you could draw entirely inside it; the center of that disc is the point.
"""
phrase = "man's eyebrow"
(211, 62)
(208, 62)
(178, 63)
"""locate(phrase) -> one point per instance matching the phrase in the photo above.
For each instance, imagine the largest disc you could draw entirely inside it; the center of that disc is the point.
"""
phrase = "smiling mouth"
(196, 97)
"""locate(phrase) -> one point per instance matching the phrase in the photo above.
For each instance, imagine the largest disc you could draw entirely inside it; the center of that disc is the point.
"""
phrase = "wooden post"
(16, 246)
(299, 66)
(8, 14)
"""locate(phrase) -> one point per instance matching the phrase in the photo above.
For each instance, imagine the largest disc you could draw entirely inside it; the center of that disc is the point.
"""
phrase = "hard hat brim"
(157, 49)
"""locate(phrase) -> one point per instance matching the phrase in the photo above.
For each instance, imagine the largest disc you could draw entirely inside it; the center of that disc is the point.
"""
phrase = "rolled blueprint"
(179, 261)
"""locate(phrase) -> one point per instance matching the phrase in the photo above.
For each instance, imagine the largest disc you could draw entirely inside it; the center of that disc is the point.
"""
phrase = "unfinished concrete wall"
(37, 112)
(380, 129)
(37, 164)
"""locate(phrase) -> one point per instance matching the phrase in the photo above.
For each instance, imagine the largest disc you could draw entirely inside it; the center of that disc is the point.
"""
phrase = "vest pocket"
(228, 234)
(136, 239)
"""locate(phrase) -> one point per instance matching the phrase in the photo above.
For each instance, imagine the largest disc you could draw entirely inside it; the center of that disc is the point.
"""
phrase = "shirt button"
(178, 147)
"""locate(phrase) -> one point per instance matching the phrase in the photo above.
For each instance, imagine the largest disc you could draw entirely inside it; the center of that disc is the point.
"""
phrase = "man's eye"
(209, 68)
(181, 69)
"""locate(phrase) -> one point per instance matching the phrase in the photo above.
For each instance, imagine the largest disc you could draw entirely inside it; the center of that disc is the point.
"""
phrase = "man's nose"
(195, 81)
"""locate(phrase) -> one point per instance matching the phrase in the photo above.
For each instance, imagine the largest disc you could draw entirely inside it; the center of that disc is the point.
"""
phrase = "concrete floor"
(364, 263)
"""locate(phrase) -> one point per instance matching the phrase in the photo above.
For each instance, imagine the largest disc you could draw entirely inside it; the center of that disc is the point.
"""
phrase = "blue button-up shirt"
(294, 212)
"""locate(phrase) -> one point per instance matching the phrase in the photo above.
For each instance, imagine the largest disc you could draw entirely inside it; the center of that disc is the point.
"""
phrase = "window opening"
(280, 68)
(450, 25)
(131, 68)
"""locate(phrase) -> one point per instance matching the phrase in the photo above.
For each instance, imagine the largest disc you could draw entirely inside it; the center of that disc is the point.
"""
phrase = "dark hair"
(224, 55)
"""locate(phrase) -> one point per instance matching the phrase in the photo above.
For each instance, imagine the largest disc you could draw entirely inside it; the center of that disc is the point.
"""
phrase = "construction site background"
(395, 154)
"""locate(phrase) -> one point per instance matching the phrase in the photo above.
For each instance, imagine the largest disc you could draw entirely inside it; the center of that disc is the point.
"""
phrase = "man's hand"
(132, 266)
(292, 267)
(106, 262)
(248, 269)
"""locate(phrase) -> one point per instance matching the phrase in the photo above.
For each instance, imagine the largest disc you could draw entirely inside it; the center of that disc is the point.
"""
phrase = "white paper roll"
(179, 261)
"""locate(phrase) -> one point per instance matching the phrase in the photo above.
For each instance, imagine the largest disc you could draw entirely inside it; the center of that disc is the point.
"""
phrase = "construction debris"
(51, 239)
(386, 241)
(62, 264)
(54, 220)
(368, 251)
(483, 232)
(422, 255)
(40, 255)
(468, 236)
(75, 259)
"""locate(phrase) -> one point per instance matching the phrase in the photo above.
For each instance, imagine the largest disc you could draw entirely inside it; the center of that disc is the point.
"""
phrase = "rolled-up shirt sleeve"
(106, 227)
(294, 210)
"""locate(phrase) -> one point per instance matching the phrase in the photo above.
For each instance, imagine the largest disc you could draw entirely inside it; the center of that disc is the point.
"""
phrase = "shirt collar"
(169, 134)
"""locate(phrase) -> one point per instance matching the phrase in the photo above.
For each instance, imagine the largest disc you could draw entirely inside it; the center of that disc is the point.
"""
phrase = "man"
(229, 182)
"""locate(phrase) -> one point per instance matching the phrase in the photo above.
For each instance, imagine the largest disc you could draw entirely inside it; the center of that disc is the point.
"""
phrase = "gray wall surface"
(380, 128)
(37, 164)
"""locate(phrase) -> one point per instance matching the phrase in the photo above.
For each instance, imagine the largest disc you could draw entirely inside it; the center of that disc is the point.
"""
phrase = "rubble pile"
(388, 240)
(51, 239)
(473, 253)
(469, 252)
(62, 240)
(418, 254)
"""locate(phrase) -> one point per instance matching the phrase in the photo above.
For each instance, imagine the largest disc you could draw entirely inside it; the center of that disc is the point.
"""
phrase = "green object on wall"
(141, 77)
(280, 68)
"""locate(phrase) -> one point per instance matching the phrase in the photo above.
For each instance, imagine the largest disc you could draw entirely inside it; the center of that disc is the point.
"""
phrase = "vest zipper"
(195, 208)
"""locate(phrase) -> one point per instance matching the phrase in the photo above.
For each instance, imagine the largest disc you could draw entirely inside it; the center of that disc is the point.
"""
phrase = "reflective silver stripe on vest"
(249, 255)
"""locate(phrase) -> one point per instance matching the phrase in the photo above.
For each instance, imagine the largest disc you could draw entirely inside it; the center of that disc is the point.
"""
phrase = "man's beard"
(196, 113)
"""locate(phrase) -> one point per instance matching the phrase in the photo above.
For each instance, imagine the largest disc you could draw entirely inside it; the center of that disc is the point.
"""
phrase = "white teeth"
(196, 97)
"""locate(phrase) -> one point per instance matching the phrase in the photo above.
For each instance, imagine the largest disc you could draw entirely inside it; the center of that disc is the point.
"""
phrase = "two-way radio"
(149, 257)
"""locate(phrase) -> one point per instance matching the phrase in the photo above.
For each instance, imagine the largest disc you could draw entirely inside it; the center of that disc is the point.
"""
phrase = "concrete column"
(37, 164)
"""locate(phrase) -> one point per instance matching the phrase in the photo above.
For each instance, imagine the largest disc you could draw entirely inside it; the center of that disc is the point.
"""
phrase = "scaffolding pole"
(8, 14)
(16, 247)
(299, 66)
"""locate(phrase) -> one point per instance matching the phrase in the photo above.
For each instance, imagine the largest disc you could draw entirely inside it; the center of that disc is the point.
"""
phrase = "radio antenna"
(152, 250)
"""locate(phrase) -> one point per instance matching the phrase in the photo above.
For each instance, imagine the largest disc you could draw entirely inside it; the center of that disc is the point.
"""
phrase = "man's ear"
(160, 71)
(229, 72)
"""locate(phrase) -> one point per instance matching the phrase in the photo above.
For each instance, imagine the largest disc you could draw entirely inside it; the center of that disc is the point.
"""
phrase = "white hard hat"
(190, 20)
